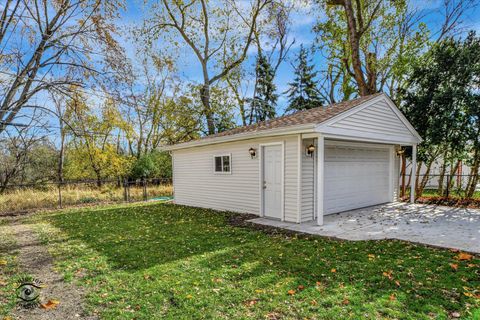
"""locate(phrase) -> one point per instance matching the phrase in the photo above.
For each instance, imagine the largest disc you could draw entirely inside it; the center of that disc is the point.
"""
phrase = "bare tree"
(16, 144)
(274, 29)
(49, 45)
(453, 13)
(210, 30)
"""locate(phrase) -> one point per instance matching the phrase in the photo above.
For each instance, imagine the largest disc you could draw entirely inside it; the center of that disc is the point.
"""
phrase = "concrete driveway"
(447, 227)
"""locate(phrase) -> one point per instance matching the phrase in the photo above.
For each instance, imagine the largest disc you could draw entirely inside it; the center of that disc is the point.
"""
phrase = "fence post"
(144, 183)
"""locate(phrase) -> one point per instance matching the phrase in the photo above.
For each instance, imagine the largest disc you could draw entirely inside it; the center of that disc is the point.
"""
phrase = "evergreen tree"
(262, 106)
(303, 92)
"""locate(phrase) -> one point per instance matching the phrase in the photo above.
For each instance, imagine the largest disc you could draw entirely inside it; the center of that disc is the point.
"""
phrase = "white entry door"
(272, 181)
(356, 177)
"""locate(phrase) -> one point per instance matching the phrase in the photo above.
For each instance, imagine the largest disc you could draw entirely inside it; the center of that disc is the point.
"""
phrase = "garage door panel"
(355, 177)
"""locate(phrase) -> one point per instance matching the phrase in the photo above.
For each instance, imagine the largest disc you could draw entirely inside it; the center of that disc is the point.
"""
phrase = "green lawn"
(173, 262)
(8, 269)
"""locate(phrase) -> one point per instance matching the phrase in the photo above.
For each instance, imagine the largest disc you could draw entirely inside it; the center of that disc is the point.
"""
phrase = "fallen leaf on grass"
(51, 304)
(464, 256)
(300, 288)
(272, 316)
(392, 297)
(388, 274)
(345, 301)
(397, 283)
(455, 314)
(333, 270)
(291, 292)
(371, 257)
(251, 302)
(313, 302)
(454, 266)
(3, 262)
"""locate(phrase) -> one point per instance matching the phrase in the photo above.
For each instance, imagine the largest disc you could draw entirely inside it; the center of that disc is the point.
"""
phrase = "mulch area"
(450, 202)
(241, 220)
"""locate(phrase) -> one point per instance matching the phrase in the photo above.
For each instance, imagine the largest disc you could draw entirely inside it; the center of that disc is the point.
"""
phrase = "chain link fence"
(22, 198)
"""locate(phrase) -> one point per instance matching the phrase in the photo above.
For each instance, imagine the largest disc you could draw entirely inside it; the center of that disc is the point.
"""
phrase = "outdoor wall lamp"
(400, 151)
(310, 150)
(252, 152)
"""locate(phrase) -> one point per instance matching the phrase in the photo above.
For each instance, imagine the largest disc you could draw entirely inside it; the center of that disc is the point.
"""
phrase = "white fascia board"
(307, 128)
(339, 134)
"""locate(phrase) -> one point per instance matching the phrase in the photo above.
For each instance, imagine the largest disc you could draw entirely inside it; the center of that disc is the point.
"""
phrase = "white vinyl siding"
(195, 185)
(308, 180)
(376, 120)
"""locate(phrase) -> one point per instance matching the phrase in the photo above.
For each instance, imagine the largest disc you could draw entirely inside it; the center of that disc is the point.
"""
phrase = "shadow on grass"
(188, 247)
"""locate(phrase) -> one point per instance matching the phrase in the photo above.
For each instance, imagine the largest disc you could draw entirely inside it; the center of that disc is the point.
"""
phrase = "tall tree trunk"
(417, 177)
(425, 177)
(353, 38)
(209, 115)
(453, 172)
(441, 177)
(473, 180)
(473, 177)
(61, 156)
(409, 178)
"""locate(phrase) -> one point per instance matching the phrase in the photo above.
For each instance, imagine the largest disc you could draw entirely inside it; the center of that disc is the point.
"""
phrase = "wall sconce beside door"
(310, 150)
(253, 152)
(400, 151)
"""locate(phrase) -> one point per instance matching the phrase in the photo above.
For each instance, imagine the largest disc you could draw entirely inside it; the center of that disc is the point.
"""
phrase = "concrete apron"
(448, 227)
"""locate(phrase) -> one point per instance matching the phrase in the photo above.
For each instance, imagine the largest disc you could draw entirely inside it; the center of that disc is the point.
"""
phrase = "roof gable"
(377, 119)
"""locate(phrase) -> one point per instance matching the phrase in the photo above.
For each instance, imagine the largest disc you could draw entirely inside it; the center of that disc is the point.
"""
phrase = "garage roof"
(310, 116)
(306, 119)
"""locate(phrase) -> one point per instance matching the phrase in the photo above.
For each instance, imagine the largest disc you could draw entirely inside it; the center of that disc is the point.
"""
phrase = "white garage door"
(355, 177)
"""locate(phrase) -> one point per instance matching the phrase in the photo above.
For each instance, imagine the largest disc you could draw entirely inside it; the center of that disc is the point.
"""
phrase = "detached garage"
(299, 167)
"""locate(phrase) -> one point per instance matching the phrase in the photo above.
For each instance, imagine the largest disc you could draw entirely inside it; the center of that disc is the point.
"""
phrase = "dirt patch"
(34, 259)
(242, 220)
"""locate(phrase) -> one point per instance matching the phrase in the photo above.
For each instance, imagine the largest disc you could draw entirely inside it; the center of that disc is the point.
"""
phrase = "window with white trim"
(222, 163)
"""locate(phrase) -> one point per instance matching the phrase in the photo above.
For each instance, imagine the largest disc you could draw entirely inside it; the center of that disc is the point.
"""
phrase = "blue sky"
(301, 31)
